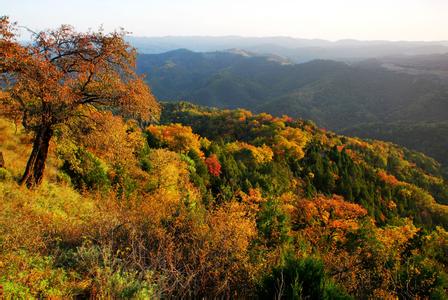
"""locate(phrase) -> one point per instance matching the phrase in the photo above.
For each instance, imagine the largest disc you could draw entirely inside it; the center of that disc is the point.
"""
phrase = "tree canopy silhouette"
(61, 77)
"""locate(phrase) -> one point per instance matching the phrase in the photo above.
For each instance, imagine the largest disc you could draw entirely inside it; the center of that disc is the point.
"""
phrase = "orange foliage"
(337, 206)
(340, 147)
(387, 178)
(198, 254)
(61, 75)
(242, 115)
(64, 70)
(253, 200)
(331, 215)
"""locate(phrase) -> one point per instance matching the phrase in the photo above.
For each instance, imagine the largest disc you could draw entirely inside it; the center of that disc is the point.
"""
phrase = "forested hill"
(353, 99)
(227, 126)
(212, 203)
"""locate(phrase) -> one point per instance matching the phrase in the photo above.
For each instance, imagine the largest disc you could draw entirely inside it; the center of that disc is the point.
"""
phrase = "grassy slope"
(36, 225)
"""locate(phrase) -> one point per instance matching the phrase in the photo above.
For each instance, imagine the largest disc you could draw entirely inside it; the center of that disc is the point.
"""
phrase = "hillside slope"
(349, 99)
(216, 203)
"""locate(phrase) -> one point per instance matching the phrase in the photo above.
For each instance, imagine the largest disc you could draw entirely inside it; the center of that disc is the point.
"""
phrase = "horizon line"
(282, 36)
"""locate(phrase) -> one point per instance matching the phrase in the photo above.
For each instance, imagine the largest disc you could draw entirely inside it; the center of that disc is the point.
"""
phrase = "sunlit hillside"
(226, 212)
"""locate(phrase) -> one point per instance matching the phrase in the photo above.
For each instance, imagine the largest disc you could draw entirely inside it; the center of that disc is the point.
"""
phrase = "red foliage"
(213, 165)
(340, 148)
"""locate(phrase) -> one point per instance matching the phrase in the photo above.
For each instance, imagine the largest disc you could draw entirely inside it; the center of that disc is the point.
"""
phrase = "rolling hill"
(364, 99)
(297, 49)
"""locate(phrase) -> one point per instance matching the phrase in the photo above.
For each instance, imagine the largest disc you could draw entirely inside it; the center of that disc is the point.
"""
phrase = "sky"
(424, 20)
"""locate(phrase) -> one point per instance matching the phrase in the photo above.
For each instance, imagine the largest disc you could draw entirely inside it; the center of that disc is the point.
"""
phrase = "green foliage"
(420, 277)
(273, 224)
(30, 276)
(303, 278)
(108, 275)
(124, 184)
(5, 174)
(86, 170)
(430, 138)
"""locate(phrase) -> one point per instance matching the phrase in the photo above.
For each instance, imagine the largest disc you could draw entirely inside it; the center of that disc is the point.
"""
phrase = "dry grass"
(16, 145)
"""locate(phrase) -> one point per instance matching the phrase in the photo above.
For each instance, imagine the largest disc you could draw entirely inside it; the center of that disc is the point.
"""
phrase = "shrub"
(300, 279)
(5, 174)
(86, 170)
(29, 276)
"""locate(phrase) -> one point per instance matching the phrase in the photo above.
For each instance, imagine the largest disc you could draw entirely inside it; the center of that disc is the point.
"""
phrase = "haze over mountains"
(399, 98)
(296, 49)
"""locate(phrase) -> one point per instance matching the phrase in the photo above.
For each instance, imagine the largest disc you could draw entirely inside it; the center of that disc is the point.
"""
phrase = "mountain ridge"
(336, 95)
(295, 49)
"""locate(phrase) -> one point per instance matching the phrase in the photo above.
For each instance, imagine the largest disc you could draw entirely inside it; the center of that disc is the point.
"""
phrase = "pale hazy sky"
(326, 19)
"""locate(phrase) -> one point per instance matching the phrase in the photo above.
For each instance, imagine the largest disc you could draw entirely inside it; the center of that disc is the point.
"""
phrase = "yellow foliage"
(260, 155)
(176, 137)
(291, 141)
(167, 172)
(396, 237)
(108, 137)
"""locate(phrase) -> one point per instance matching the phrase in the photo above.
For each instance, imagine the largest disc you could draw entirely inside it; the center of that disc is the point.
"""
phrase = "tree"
(61, 77)
(176, 137)
(213, 165)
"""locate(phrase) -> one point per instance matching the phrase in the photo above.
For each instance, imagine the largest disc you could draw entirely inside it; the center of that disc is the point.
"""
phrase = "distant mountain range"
(295, 49)
(372, 98)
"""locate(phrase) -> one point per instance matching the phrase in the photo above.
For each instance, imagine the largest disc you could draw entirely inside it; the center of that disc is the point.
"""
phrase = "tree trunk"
(2, 161)
(36, 162)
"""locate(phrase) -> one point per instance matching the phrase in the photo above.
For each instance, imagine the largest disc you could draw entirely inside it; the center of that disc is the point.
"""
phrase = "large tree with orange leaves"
(61, 76)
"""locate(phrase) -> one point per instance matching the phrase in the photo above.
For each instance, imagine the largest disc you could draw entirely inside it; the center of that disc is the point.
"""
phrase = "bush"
(5, 174)
(300, 279)
(29, 276)
(86, 170)
(272, 224)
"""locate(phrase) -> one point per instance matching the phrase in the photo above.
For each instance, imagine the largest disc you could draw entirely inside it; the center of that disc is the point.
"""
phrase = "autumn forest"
(108, 193)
